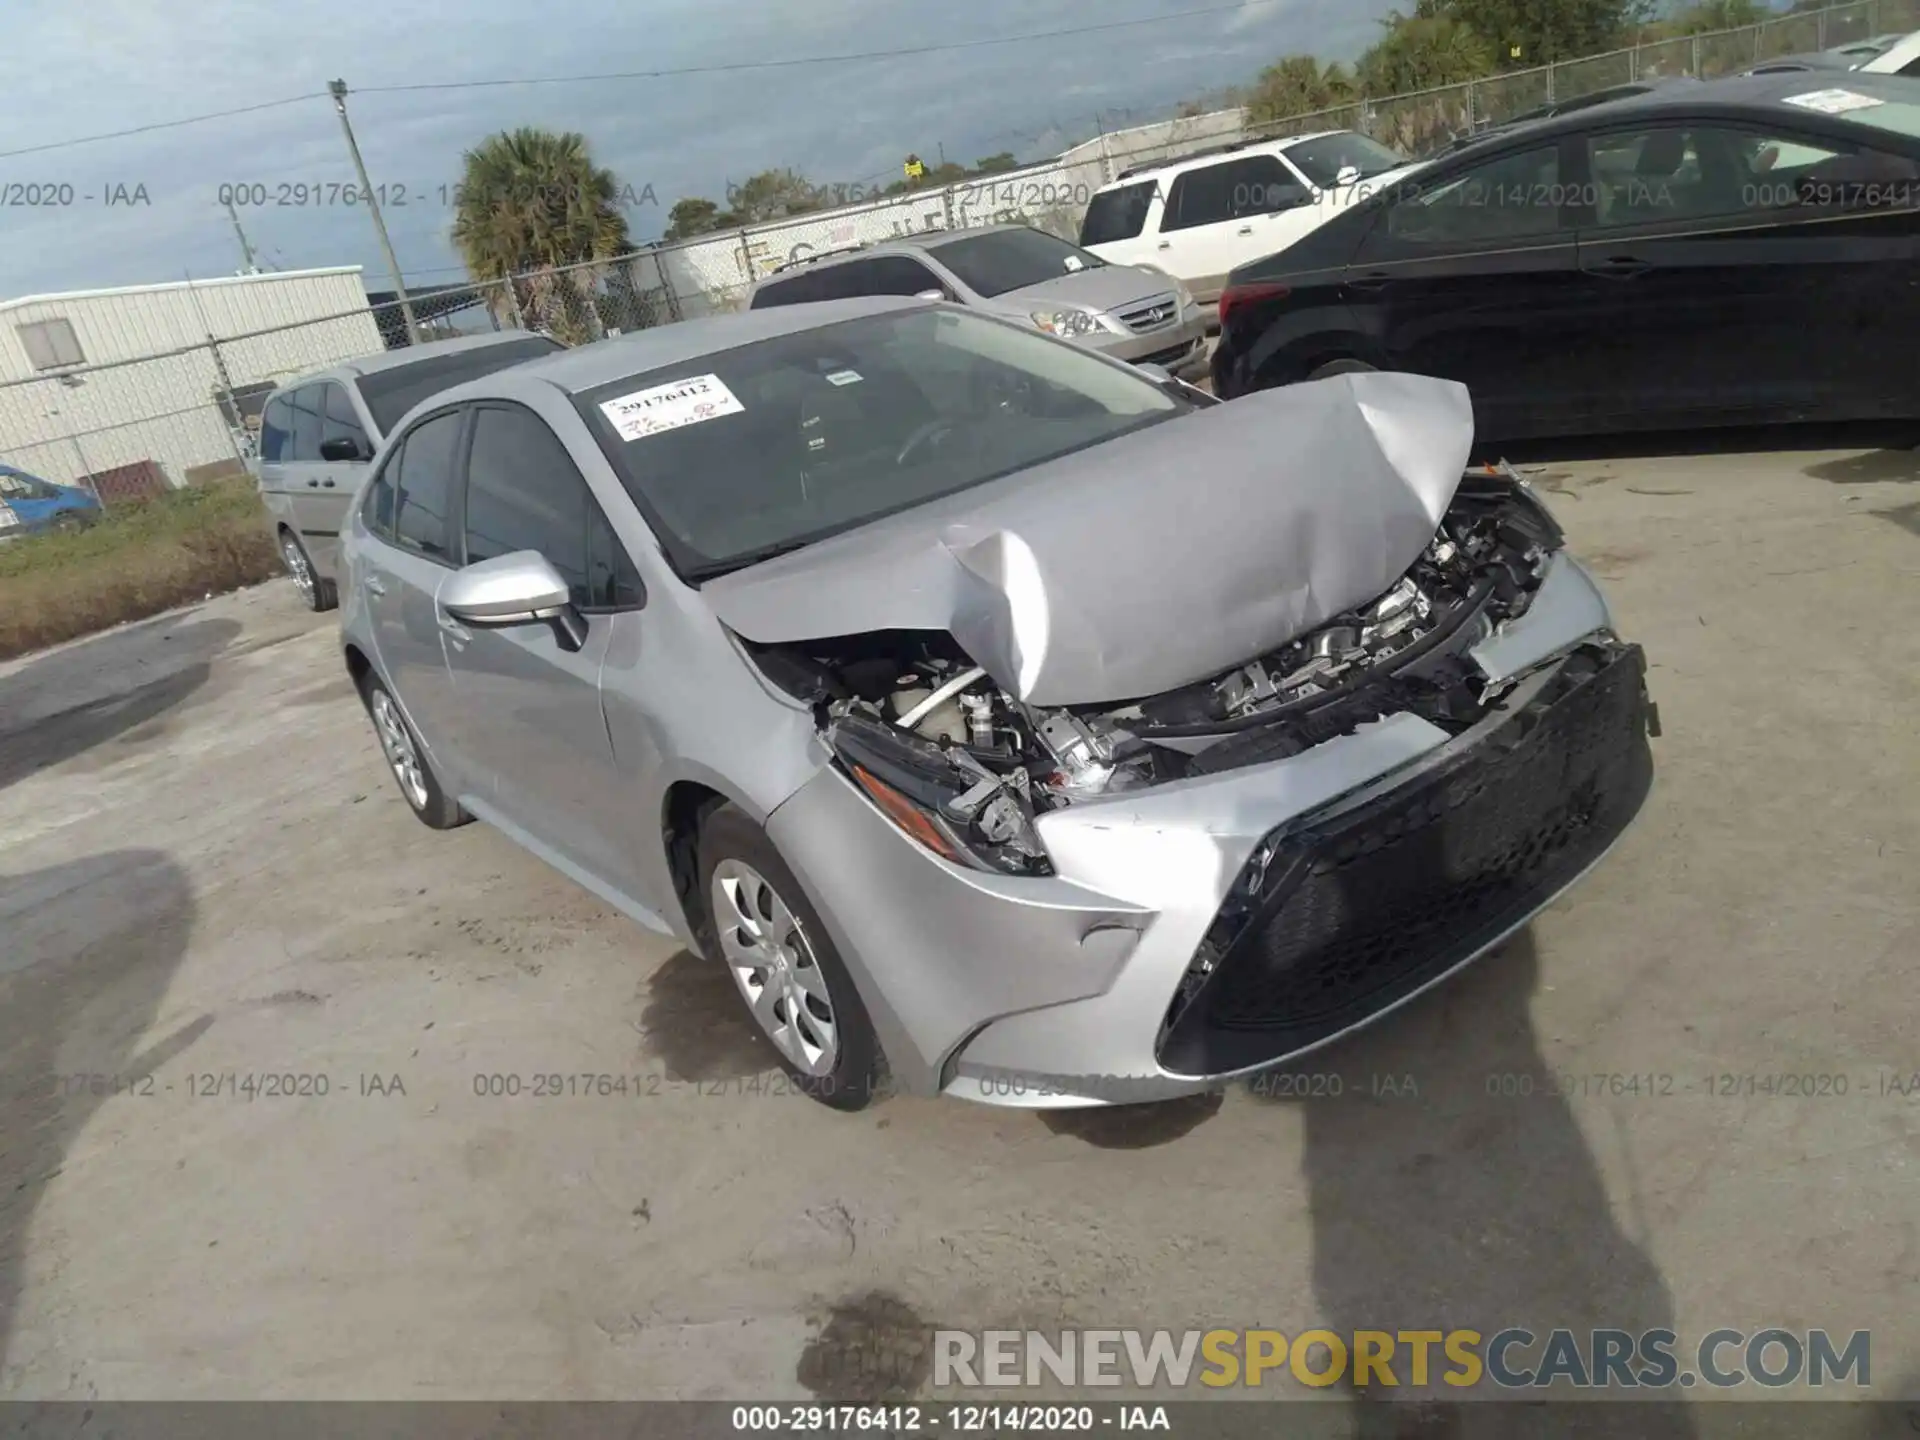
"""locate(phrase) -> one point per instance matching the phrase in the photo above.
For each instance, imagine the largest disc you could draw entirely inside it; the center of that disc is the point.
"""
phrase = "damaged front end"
(963, 766)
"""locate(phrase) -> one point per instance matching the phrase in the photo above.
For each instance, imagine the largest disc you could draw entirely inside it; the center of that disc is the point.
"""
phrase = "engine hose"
(1448, 627)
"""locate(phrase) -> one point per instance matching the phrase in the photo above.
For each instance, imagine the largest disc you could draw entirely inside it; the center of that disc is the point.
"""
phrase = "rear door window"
(900, 275)
(1230, 190)
(275, 423)
(1117, 214)
(424, 486)
(308, 423)
(1513, 197)
(800, 289)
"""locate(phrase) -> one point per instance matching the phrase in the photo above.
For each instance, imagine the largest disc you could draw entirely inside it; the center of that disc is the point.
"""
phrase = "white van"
(1202, 215)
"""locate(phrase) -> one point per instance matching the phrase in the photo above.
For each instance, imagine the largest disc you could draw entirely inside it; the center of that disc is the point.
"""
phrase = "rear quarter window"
(1118, 214)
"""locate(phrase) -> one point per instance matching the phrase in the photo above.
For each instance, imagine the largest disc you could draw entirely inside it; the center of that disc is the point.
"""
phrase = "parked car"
(29, 505)
(1739, 251)
(1902, 57)
(318, 432)
(1000, 717)
(1132, 312)
(1199, 216)
(1856, 55)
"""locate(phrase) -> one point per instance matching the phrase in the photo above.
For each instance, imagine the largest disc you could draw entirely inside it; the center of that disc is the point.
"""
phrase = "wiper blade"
(714, 568)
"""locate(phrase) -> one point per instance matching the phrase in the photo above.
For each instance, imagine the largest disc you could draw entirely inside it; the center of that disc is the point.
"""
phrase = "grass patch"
(141, 558)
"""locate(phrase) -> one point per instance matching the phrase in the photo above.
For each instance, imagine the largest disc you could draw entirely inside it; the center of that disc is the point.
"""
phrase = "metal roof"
(214, 282)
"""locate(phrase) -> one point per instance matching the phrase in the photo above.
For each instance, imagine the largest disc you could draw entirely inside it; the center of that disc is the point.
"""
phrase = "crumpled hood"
(1151, 562)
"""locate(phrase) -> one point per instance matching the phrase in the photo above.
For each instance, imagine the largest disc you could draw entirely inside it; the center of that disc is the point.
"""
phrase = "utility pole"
(246, 248)
(338, 89)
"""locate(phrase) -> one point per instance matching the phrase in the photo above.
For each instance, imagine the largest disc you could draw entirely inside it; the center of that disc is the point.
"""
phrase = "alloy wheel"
(766, 951)
(298, 567)
(402, 754)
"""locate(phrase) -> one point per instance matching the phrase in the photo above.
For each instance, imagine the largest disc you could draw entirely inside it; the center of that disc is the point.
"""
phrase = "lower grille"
(1360, 912)
(1166, 357)
(1149, 314)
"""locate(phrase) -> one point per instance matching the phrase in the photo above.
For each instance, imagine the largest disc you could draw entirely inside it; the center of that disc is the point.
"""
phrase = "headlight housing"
(1067, 324)
(941, 798)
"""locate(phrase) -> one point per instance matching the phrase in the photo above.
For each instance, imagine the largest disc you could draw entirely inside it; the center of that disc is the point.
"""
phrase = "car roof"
(407, 355)
(1133, 175)
(925, 242)
(587, 367)
(1735, 97)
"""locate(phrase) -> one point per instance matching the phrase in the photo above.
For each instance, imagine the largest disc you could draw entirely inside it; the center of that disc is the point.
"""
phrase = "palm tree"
(1298, 85)
(532, 202)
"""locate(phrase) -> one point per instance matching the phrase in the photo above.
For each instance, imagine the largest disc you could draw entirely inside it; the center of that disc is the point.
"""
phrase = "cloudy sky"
(84, 69)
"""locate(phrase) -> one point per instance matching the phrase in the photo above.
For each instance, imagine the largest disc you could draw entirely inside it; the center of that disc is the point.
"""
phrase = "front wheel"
(785, 967)
(315, 593)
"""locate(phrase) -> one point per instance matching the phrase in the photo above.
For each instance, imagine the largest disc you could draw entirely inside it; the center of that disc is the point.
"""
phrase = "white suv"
(1202, 215)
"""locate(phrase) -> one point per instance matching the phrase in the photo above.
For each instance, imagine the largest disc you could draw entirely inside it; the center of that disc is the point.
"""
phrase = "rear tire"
(1341, 367)
(791, 979)
(315, 593)
(407, 759)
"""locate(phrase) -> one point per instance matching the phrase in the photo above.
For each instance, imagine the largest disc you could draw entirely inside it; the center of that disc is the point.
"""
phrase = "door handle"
(1618, 267)
(1370, 284)
(374, 587)
(313, 484)
(1244, 230)
(327, 483)
(1164, 245)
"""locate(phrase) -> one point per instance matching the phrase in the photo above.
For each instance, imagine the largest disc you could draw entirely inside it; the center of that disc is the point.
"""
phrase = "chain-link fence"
(146, 419)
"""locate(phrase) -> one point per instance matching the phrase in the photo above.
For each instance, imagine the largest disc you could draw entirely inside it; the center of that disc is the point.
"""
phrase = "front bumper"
(1143, 970)
(1173, 346)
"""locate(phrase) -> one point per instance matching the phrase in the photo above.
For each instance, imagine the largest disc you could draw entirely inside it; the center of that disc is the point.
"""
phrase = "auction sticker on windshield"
(668, 407)
(1833, 102)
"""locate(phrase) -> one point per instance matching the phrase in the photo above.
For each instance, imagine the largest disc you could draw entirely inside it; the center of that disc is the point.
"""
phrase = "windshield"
(1002, 260)
(390, 394)
(752, 451)
(1322, 160)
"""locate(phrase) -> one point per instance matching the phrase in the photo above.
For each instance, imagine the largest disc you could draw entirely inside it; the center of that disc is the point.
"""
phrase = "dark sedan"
(1741, 251)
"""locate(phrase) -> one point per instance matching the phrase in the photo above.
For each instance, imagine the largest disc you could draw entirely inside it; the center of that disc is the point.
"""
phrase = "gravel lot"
(205, 872)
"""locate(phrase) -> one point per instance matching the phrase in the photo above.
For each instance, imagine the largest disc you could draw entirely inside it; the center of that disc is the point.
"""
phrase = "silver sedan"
(1010, 722)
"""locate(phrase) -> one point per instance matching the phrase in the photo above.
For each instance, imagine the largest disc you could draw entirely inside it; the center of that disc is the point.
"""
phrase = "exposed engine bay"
(966, 767)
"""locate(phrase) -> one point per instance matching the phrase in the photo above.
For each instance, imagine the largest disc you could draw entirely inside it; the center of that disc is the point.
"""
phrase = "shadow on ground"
(696, 1023)
(1890, 438)
(91, 947)
(1444, 1207)
(94, 691)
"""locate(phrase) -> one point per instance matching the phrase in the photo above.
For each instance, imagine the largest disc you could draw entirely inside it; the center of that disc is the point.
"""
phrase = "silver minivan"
(318, 432)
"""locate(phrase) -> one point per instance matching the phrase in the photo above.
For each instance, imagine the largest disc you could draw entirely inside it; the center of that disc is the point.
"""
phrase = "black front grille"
(1362, 911)
(1167, 357)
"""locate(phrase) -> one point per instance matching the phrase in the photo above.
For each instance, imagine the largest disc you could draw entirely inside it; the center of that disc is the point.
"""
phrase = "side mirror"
(518, 589)
(930, 295)
(342, 447)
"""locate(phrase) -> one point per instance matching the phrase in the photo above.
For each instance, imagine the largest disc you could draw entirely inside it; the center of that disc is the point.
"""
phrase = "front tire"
(770, 938)
(315, 593)
(407, 758)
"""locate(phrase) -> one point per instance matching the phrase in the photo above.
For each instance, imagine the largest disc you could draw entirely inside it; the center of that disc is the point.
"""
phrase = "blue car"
(29, 504)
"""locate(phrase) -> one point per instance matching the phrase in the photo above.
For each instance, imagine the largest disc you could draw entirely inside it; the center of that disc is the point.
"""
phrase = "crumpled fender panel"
(1150, 562)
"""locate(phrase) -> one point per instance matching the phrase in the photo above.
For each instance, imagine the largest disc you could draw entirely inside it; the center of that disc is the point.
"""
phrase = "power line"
(163, 125)
(740, 65)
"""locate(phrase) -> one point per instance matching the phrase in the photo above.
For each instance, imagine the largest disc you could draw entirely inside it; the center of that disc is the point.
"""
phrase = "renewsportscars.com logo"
(1511, 1359)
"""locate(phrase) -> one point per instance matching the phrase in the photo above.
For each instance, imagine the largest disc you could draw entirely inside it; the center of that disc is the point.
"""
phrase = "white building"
(124, 384)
